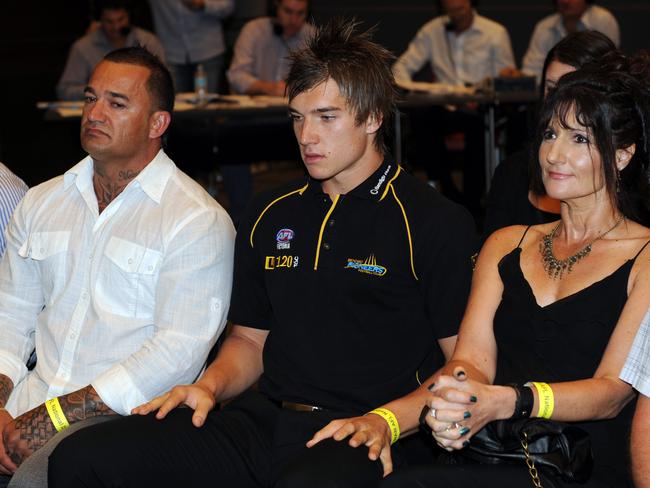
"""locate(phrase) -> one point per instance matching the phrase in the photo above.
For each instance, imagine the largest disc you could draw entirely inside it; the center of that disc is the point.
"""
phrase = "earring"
(618, 180)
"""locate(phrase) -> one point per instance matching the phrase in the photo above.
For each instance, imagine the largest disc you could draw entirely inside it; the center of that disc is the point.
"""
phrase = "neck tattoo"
(556, 268)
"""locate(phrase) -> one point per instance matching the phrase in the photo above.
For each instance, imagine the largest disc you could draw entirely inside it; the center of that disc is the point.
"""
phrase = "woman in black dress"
(559, 303)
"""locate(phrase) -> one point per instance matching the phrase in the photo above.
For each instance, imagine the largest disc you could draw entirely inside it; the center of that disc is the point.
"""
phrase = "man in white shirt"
(115, 32)
(118, 273)
(463, 48)
(571, 16)
(261, 58)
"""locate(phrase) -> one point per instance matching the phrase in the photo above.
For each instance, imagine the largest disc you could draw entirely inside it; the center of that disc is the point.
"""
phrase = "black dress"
(563, 341)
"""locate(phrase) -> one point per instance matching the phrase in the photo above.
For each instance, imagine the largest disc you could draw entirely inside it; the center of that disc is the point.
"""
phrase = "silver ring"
(433, 413)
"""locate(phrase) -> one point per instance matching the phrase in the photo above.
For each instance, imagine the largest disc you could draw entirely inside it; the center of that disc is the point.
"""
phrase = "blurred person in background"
(571, 16)
(113, 31)
(192, 34)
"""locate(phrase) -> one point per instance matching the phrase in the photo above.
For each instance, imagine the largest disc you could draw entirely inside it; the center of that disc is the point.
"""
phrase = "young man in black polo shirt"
(349, 288)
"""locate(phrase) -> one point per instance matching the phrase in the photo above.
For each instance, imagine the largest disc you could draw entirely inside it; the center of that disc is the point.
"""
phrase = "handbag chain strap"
(530, 462)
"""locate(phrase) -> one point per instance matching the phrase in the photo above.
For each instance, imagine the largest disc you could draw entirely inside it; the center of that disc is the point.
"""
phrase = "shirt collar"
(152, 179)
(476, 24)
(373, 188)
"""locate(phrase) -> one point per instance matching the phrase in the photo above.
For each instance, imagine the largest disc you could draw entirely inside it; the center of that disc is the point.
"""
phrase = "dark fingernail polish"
(467, 415)
(465, 443)
(473, 399)
(464, 431)
(431, 386)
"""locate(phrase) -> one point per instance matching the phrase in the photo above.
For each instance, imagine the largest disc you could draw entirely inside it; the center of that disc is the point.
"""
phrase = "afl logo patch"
(283, 238)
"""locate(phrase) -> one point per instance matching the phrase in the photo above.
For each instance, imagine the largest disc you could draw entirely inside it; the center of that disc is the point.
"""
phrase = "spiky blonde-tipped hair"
(360, 67)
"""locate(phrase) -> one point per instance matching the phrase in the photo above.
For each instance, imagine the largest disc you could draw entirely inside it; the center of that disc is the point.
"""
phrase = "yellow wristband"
(56, 414)
(546, 399)
(391, 420)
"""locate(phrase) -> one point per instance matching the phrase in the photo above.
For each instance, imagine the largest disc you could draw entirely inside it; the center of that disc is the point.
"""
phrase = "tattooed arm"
(6, 387)
(31, 430)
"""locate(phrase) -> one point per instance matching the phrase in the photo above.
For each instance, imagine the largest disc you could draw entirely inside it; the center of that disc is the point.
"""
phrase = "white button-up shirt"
(550, 30)
(479, 52)
(130, 300)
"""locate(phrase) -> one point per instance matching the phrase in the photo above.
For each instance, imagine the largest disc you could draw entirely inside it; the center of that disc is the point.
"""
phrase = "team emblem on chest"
(368, 266)
(283, 238)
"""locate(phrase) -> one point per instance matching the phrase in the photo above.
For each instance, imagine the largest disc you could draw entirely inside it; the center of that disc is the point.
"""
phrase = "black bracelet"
(524, 403)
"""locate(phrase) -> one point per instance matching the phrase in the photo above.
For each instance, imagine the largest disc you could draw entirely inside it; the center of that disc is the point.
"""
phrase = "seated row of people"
(461, 46)
(347, 294)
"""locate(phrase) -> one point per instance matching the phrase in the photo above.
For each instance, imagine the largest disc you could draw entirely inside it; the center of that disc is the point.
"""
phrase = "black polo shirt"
(354, 291)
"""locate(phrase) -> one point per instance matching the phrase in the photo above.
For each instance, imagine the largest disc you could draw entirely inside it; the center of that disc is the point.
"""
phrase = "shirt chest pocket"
(49, 250)
(127, 279)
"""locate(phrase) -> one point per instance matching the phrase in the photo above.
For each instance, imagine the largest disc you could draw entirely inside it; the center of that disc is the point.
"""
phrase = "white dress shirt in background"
(479, 52)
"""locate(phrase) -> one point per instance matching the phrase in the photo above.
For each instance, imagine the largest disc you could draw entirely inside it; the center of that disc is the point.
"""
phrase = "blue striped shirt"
(12, 190)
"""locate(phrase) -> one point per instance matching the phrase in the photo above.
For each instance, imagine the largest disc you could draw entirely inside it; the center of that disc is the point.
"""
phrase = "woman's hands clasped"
(460, 407)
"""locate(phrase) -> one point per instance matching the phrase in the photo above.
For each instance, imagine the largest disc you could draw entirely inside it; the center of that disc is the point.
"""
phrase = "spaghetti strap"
(526, 232)
(640, 251)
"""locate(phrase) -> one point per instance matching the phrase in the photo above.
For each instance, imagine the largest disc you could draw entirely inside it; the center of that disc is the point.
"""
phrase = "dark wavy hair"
(611, 100)
(361, 69)
(578, 49)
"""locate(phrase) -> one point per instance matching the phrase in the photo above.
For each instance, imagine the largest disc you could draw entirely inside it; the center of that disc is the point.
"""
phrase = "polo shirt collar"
(152, 179)
(373, 188)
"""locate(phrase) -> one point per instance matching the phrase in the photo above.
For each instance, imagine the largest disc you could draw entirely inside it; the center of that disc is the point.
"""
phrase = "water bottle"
(200, 83)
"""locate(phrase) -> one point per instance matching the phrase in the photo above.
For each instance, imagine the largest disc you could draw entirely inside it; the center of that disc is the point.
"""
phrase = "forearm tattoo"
(36, 428)
(83, 404)
(6, 387)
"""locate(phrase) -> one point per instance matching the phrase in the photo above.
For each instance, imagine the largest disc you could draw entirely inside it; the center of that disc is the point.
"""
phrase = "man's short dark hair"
(361, 68)
(101, 5)
(159, 85)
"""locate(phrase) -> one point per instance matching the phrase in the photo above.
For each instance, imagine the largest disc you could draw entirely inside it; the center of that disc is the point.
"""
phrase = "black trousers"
(250, 443)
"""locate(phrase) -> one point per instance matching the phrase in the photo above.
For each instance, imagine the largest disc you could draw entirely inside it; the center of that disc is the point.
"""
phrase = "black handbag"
(560, 449)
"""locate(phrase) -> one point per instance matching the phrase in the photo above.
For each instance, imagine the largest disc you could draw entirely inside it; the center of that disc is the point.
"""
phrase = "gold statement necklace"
(554, 267)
